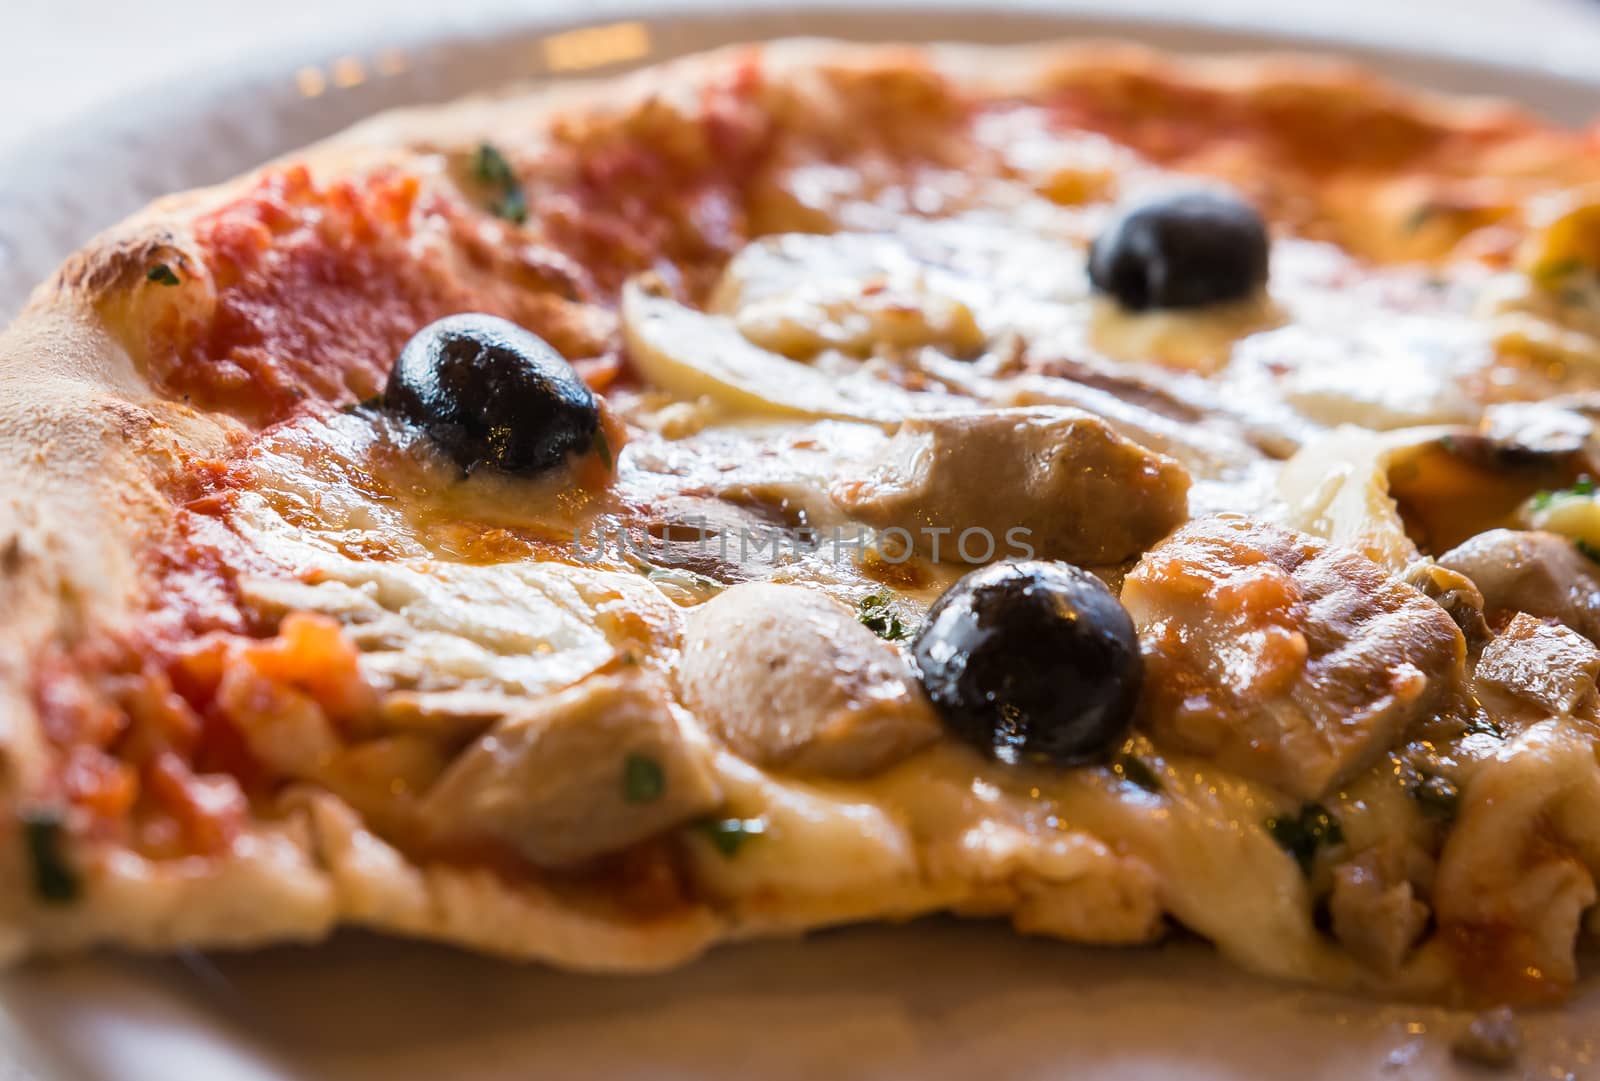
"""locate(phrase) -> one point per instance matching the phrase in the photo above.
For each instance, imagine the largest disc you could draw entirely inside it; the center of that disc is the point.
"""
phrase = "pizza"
(1119, 493)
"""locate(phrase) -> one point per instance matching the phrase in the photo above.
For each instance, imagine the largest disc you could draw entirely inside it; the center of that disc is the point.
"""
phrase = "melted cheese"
(810, 349)
(1200, 341)
(432, 627)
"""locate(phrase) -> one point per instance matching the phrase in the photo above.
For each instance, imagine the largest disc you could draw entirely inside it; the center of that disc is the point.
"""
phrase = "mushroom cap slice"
(790, 679)
(596, 768)
(1060, 479)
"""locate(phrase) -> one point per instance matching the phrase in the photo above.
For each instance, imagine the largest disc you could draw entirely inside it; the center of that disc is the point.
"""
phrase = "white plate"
(934, 1000)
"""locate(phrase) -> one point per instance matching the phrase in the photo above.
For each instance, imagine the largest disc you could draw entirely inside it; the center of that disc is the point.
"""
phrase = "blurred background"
(60, 57)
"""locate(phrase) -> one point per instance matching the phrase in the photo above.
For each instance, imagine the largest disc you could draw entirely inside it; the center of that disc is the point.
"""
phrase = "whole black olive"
(490, 393)
(1183, 250)
(1032, 662)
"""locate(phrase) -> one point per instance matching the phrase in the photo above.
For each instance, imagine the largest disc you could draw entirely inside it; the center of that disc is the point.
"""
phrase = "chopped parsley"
(513, 207)
(54, 880)
(878, 613)
(1587, 550)
(1438, 796)
(1548, 274)
(1136, 772)
(162, 274)
(491, 169)
(1417, 768)
(1301, 835)
(1420, 217)
(602, 446)
(642, 779)
(374, 402)
(1584, 487)
(730, 834)
(1479, 723)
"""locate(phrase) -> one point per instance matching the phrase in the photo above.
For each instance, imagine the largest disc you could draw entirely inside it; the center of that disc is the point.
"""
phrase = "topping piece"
(790, 679)
(694, 355)
(1455, 593)
(1281, 657)
(1305, 833)
(1032, 662)
(1551, 666)
(596, 768)
(1183, 250)
(1493, 1038)
(1374, 908)
(1542, 574)
(730, 834)
(491, 169)
(491, 393)
(880, 615)
(162, 274)
(54, 880)
(969, 485)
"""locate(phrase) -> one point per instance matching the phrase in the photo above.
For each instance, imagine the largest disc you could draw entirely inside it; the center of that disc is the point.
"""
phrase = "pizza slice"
(810, 483)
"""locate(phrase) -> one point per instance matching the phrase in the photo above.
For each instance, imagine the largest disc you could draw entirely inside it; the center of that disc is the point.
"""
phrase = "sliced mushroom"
(1542, 574)
(789, 679)
(1375, 910)
(1073, 487)
(1548, 665)
(1455, 593)
(590, 770)
(1283, 657)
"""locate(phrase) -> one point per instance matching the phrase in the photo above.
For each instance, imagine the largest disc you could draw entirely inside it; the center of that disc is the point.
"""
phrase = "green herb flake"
(162, 274)
(642, 779)
(1480, 723)
(491, 169)
(374, 402)
(1587, 550)
(730, 834)
(1548, 274)
(513, 207)
(601, 446)
(1581, 490)
(1438, 796)
(54, 880)
(1301, 835)
(1136, 771)
(1419, 217)
(877, 612)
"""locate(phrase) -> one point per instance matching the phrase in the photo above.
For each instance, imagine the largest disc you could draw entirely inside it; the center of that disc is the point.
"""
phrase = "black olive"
(1183, 250)
(490, 393)
(1032, 662)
